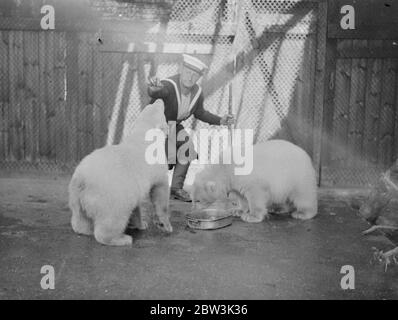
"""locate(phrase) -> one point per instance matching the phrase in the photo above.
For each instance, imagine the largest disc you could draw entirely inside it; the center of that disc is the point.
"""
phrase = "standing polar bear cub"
(111, 182)
(281, 172)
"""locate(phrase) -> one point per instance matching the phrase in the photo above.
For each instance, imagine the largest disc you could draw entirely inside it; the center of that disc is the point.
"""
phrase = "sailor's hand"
(227, 120)
(154, 82)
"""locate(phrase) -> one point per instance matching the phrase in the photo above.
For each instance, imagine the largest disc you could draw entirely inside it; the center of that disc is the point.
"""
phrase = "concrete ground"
(279, 259)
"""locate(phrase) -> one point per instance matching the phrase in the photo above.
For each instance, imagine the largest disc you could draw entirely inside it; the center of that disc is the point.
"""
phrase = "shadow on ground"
(279, 259)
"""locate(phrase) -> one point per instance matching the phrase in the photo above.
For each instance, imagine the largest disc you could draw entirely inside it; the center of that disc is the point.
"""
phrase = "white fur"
(111, 182)
(281, 172)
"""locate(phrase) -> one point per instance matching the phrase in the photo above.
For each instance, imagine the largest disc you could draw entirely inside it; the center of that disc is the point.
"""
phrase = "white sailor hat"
(193, 63)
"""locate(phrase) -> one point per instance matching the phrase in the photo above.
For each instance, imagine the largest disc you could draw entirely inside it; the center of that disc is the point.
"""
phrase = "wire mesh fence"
(276, 47)
(68, 91)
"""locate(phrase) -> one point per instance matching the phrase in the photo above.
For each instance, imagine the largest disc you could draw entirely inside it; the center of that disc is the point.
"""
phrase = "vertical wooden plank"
(61, 142)
(16, 85)
(308, 77)
(372, 107)
(386, 128)
(296, 112)
(104, 112)
(3, 131)
(43, 137)
(3, 121)
(329, 105)
(98, 107)
(89, 65)
(20, 90)
(72, 78)
(36, 99)
(31, 63)
(12, 105)
(86, 87)
(4, 95)
(107, 94)
(357, 107)
(51, 125)
(82, 97)
(319, 85)
(342, 101)
(4, 63)
(395, 145)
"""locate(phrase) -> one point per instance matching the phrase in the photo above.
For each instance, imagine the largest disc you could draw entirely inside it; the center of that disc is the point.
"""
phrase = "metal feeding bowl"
(209, 219)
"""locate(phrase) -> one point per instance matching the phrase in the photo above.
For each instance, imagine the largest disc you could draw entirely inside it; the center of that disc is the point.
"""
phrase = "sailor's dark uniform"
(176, 111)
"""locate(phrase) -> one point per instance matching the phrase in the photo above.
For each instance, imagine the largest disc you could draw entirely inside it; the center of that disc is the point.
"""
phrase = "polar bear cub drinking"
(281, 172)
(111, 182)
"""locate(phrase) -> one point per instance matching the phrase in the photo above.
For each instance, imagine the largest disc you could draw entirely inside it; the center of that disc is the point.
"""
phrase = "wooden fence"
(360, 138)
(37, 126)
(59, 89)
(66, 92)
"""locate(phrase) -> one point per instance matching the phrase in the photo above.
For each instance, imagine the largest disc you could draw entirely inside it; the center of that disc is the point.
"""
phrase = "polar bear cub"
(281, 172)
(111, 182)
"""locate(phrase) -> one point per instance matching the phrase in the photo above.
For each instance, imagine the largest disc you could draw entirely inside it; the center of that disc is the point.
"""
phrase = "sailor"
(183, 97)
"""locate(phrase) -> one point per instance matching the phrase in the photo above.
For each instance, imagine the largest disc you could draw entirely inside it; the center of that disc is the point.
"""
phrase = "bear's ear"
(164, 127)
(159, 103)
(210, 187)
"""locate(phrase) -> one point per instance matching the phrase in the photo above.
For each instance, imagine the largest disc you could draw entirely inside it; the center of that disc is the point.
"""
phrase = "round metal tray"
(209, 219)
